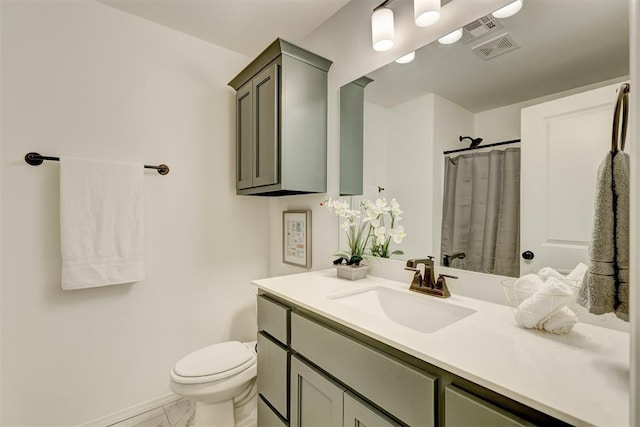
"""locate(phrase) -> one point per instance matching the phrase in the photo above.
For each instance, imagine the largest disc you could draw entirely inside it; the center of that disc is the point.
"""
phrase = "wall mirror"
(546, 76)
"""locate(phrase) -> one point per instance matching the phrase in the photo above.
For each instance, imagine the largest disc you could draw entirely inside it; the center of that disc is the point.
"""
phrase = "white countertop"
(581, 378)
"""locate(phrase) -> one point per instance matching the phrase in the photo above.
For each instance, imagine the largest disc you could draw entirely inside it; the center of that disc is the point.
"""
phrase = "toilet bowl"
(221, 379)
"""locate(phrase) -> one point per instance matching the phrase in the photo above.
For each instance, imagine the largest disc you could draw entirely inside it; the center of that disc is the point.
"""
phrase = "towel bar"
(35, 159)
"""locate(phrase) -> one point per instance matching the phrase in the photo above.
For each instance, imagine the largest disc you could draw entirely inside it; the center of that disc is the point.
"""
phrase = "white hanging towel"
(101, 223)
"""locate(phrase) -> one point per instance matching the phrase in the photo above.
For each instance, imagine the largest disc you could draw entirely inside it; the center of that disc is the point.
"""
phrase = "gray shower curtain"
(481, 211)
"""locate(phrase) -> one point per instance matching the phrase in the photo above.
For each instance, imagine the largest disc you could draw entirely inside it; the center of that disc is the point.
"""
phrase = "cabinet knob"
(528, 255)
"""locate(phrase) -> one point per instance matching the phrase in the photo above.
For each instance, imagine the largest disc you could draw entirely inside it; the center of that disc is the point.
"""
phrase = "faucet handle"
(441, 285)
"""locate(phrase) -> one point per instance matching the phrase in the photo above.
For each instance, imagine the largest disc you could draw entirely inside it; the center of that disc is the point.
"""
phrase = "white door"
(563, 143)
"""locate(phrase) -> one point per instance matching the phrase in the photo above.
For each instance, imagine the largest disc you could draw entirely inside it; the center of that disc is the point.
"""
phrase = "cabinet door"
(359, 414)
(244, 137)
(266, 96)
(316, 401)
(466, 410)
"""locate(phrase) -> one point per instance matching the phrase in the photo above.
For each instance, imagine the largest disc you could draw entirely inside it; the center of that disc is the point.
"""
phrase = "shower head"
(474, 141)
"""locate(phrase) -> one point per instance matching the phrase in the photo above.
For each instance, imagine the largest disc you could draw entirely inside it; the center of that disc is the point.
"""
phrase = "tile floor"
(176, 414)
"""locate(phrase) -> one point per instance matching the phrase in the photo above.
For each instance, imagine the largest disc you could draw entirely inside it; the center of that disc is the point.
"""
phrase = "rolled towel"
(561, 322)
(526, 286)
(552, 297)
(573, 279)
(548, 272)
(577, 274)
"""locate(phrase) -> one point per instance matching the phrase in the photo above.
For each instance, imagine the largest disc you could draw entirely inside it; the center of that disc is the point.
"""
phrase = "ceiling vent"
(479, 28)
(495, 47)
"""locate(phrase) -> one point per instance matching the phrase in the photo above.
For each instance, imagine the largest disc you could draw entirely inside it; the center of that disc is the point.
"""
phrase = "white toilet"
(221, 379)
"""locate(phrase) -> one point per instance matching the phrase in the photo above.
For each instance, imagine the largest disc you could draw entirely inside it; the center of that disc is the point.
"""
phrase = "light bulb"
(452, 37)
(426, 12)
(509, 10)
(407, 58)
(382, 29)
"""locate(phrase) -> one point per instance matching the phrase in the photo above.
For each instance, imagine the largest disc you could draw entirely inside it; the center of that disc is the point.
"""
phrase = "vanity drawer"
(273, 374)
(402, 390)
(273, 319)
(463, 409)
(266, 417)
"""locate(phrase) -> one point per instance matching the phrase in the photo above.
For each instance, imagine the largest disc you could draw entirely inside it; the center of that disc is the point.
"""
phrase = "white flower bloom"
(397, 234)
(375, 222)
(345, 225)
(380, 234)
(395, 209)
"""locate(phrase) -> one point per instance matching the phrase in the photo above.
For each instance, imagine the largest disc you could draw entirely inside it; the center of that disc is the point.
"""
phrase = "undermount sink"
(421, 313)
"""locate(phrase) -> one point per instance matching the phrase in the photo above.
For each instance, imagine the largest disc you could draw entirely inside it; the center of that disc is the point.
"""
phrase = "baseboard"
(132, 411)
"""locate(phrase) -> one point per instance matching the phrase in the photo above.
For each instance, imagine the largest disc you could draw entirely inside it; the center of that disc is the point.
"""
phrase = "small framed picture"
(296, 238)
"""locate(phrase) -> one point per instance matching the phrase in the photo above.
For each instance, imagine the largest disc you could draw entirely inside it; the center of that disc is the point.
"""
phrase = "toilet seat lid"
(214, 359)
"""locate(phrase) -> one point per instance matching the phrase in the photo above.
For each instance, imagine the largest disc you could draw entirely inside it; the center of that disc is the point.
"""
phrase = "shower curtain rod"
(495, 144)
(35, 159)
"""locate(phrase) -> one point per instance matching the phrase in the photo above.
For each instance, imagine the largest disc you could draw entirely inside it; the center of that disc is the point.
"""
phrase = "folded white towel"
(100, 223)
(560, 322)
(552, 297)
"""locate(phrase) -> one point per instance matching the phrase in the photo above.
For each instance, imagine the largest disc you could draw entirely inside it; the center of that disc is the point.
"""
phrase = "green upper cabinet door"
(266, 96)
(244, 137)
(281, 122)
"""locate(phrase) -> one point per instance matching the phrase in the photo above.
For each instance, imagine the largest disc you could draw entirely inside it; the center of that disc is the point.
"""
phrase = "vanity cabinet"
(281, 122)
(336, 376)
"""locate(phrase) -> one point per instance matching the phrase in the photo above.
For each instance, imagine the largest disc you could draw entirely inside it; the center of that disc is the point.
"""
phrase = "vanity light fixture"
(407, 58)
(382, 30)
(426, 12)
(508, 10)
(452, 37)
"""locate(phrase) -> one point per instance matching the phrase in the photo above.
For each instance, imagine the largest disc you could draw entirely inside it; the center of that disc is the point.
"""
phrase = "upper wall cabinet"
(281, 122)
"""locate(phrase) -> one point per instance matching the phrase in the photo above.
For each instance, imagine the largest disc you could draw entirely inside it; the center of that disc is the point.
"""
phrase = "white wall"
(409, 159)
(376, 137)
(82, 79)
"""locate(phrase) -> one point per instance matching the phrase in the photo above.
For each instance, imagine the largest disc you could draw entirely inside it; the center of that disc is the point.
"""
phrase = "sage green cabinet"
(281, 122)
(316, 401)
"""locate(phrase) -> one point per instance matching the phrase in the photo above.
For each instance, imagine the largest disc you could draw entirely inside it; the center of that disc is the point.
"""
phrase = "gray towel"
(605, 287)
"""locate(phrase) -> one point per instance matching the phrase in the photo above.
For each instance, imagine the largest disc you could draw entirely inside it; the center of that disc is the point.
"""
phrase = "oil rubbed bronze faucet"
(427, 283)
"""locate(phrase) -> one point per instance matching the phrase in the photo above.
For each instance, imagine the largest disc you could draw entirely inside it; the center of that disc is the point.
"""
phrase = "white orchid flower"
(380, 234)
(397, 234)
(395, 209)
